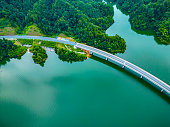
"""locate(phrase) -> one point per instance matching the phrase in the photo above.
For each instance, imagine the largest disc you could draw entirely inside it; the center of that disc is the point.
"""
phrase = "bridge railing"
(156, 82)
(165, 88)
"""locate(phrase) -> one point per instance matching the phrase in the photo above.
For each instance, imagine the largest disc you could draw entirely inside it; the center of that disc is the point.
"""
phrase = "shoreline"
(137, 71)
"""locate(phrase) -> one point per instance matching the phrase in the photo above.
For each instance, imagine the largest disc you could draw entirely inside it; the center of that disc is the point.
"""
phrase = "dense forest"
(84, 20)
(148, 15)
(69, 56)
(39, 54)
(65, 53)
(9, 50)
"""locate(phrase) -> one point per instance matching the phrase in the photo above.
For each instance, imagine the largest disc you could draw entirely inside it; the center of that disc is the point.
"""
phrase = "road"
(139, 72)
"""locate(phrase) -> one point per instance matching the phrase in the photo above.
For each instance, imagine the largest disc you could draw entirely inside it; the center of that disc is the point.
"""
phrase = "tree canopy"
(149, 15)
(85, 20)
(9, 50)
(39, 54)
(69, 56)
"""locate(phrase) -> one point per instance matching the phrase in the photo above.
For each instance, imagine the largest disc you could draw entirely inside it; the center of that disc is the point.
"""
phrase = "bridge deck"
(125, 64)
(165, 88)
(38, 38)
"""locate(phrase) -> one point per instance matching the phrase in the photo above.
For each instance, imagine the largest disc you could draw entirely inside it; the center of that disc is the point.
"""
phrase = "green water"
(142, 50)
(92, 93)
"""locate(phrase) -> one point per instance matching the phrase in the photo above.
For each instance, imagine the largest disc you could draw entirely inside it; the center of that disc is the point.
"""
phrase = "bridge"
(38, 38)
(137, 71)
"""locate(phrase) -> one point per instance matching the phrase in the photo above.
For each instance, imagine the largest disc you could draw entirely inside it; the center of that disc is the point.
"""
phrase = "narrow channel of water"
(142, 50)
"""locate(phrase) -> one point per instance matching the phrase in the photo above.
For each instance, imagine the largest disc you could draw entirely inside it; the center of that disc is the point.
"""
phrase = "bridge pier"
(140, 73)
(90, 52)
(106, 59)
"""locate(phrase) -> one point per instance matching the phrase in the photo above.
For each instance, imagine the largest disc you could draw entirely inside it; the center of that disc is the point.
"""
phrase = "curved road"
(151, 79)
(38, 38)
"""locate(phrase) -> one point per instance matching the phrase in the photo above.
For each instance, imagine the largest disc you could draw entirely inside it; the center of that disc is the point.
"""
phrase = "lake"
(93, 93)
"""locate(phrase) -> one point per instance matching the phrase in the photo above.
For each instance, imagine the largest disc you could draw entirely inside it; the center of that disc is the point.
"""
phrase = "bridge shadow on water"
(147, 85)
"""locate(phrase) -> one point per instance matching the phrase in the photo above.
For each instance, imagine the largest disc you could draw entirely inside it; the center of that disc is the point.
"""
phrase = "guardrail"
(38, 38)
(139, 72)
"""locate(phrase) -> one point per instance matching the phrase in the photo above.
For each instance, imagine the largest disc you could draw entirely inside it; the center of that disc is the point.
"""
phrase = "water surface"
(142, 50)
(92, 93)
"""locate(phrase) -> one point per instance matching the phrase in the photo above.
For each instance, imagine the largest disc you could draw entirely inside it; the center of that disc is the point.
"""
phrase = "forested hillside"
(9, 50)
(84, 20)
(16, 12)
(148, 15)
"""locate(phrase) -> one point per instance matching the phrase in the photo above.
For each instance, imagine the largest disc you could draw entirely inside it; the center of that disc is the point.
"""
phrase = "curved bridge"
(151, 79)
(139, 72)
